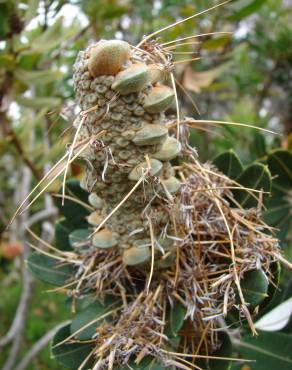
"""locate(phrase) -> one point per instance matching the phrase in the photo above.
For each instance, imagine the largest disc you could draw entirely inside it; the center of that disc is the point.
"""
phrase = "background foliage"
(244, 78)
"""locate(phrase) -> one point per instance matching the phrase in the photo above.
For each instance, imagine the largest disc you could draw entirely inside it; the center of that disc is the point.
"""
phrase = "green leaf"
(78, 236)
(49, 269)
(258, 146)
(175, 319)
(7, 61)
(280, 165)
(254, 287)
(148, 363)
(31, 11)
(38, 103)
(274, 291)
(38, 78)
(70, 355)
(270, 351)
(257, 177)
(62, 230)
(247, 10)
(49, 39)
(216, 42)
(92, 311)
(279, 213)
(229, 163)
(73, 211)
(225, 350)
(4, 20)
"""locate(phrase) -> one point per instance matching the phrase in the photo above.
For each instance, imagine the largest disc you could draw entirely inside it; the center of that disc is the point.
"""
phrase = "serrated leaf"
(62, 230)
(74, 212)
(49, 269)
(175, 319)
(229, 163)
(254, 287)
(92, 311)
(257, 177)
(79, 235)
(70, 355)
(268, 351)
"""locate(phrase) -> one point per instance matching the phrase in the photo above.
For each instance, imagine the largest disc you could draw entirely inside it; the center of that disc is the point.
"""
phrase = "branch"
(8, 131)
(23, 155)
(19, 317)
(40, 216)
(38, 346)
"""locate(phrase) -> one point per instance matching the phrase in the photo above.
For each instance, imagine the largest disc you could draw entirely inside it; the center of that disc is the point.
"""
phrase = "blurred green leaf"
(49, 39)
(216, 43)
(248, 8)
(7, 61)
(49, 269)
(37, 77)
(4, 20)
(39, 102)
(31, 11)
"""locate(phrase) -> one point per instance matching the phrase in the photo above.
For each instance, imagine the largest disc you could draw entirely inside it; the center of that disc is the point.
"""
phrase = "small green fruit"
(159, 99)
(170, 149)
(172, 184)
(95, 201)
(155, 73)
(132, 79)
(104, 239)
(108, 57)
(137, 172)
(150, 135)
(136, 255)
(94, 218)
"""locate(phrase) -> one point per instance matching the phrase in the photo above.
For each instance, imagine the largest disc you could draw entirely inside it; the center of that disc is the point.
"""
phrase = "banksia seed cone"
(130, 103)
(162, 236)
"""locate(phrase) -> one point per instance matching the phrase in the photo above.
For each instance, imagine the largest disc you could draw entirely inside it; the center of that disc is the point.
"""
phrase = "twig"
(39, 345)
(20, 312)
(40, 216)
